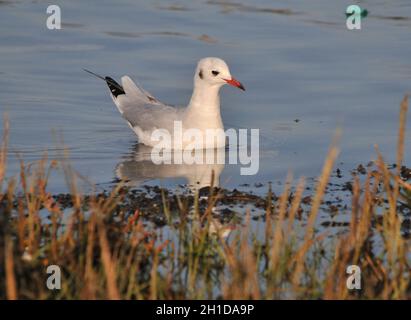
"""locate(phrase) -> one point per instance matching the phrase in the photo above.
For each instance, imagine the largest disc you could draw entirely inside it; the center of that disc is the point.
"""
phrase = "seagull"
(145, 114)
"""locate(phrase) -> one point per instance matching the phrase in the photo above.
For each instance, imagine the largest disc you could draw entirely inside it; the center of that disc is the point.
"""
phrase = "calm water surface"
(305, 75)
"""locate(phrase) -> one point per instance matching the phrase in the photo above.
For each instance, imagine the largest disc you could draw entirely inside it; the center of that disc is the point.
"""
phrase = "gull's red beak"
(235, 83)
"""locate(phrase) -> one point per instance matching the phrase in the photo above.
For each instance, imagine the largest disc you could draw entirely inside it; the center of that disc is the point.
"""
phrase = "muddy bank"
(230, 206)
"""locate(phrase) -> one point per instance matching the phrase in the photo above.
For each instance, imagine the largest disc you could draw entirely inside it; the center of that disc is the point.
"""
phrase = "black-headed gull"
(145, 114)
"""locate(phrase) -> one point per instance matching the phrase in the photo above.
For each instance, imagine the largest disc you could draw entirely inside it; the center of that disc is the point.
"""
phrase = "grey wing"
(142, 110)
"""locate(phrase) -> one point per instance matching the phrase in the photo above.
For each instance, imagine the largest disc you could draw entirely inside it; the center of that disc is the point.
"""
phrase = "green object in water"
(364, 13)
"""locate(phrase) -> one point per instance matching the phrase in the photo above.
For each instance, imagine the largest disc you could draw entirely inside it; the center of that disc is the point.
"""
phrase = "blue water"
(304, 72)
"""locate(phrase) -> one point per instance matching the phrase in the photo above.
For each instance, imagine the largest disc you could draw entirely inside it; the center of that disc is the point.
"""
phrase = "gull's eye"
(215, 73)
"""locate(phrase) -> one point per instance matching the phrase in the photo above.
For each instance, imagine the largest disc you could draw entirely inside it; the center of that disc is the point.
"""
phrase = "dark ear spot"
(200, 74)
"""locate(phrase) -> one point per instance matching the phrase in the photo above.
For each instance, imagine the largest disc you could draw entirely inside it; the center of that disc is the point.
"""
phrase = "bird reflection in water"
(138, 169)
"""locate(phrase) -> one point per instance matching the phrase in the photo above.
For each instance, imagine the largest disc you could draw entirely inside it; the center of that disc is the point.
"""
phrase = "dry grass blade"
(315, 206)
(107, 261)
(401, 142)
(11, 284)
(3, 150)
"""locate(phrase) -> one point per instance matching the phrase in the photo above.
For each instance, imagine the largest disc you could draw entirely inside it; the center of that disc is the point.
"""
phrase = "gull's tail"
(114, 87)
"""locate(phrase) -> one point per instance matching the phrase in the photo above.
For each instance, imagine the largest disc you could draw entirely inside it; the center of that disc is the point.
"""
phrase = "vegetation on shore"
(107, 251)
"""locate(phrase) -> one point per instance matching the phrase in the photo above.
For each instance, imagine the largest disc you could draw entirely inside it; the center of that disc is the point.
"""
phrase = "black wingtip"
(114, 87)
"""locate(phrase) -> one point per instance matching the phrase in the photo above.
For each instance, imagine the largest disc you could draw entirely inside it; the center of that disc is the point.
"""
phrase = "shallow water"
(304, 72)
